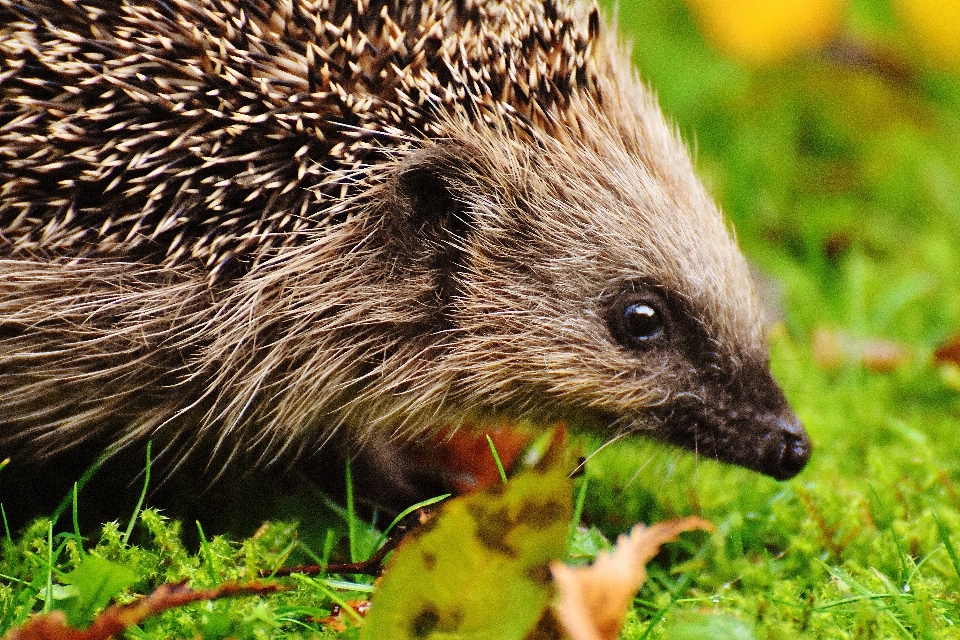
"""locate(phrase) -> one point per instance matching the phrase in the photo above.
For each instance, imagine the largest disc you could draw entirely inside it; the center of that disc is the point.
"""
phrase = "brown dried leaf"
(827, 352)
(948, 352)
(118, 618)
(338, 618)
(883, 356)
(831, 349)
(594, 600)
(464, 459)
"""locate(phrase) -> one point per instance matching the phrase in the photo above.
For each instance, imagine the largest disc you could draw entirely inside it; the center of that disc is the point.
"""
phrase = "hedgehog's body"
(240, 226)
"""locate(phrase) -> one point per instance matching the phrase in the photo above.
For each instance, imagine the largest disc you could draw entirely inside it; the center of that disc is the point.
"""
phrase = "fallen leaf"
(594, 600)
(935, 26)
(479, 568)
(464, 458)
(118, 618)
(827, 352)
(832, 349)
(948, 352)
(760, 32)
(883, 356)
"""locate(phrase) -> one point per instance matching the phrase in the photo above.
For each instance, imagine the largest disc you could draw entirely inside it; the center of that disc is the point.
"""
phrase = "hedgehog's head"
(592, 280)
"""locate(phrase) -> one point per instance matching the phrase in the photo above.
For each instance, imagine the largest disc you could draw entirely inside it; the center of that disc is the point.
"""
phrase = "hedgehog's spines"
(197, 92)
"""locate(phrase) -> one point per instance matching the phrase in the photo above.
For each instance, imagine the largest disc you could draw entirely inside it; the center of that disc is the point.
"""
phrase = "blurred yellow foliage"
(935, 25)
(761, 32)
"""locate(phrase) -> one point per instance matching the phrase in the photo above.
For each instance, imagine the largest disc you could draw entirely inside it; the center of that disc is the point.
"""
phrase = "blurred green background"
(829, 132)
(837, 160)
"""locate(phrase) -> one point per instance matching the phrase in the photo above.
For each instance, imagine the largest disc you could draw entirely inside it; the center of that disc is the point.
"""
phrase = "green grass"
(844, 186)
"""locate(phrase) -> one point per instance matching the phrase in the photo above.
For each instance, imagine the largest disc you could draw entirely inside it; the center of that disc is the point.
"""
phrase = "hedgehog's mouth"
(750, 425)
(774, 444)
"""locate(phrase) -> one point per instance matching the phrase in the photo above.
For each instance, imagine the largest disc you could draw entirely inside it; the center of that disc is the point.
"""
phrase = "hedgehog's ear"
(431, 226)
(429, 206)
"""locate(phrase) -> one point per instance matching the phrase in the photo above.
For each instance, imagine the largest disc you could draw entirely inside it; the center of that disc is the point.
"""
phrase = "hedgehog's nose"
(794, 449)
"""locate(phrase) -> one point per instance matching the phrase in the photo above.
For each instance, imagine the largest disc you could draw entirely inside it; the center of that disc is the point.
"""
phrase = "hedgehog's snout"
(788, 448)
(763, 433)
(749, 423)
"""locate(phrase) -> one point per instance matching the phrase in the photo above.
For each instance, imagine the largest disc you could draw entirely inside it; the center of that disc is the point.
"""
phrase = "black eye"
(638, 319)
(642, 322)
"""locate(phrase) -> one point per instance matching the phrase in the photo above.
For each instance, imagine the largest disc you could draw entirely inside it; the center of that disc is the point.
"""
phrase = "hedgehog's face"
(722, 405)
(565, 297)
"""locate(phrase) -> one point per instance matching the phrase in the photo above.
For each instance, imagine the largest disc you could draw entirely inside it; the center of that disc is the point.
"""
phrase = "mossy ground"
(842, 178)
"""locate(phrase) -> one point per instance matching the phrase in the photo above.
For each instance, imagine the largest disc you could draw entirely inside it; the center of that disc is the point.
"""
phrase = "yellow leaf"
(935, 25)
(762, 32)
(480, 567)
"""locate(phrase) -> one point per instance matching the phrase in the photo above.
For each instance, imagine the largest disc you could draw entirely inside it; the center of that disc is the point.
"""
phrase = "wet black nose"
(792, 449)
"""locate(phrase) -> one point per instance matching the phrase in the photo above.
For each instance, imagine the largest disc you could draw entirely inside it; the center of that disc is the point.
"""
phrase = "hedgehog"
(262, 229)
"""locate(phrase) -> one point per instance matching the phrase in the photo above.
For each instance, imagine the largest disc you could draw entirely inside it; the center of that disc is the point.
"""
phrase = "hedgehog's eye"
(643, 322)
(638, 319)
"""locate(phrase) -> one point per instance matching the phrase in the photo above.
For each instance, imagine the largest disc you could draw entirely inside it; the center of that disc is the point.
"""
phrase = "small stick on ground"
(372, 566)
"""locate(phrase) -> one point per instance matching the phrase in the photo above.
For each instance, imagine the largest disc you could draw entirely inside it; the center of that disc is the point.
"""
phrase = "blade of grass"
(403, 514)
(328, 542)
(207, 553)
(883, 516)
(906, 604)
(6, 525)
(351, 515)
(143, 495)
(286, 554)
(577, 511)
(84, 479)
(351, 586)
(945, 539)
(48, 600)
(307, 550)
(847, 579)
(328, 590)
(674, 599)
(76, 521)
(496, 458)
